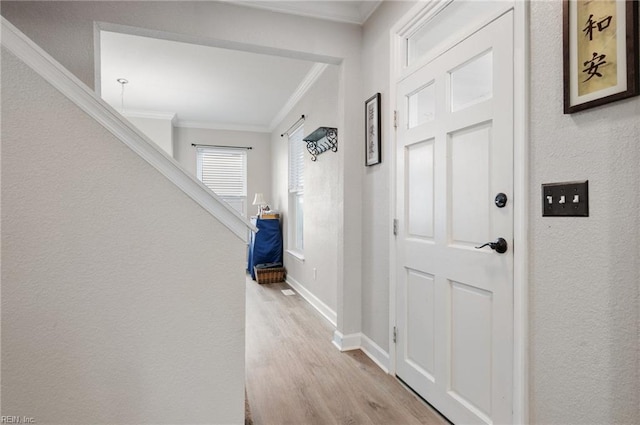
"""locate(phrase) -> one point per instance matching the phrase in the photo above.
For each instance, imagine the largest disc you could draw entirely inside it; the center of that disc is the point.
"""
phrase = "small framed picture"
(373, 138)
(600, 52)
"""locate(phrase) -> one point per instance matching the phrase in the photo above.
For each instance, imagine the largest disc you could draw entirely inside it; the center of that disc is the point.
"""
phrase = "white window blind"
(296, 160)
(224, 171)
(296, 188)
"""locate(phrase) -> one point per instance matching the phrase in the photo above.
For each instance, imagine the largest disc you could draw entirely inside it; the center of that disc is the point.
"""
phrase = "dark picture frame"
(372, 131)
(600, 53)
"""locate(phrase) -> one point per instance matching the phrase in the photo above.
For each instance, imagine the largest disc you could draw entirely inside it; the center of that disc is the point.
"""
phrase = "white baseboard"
(346, 342)
(355, 341)
(375, 353)
(322, 308)
(359, 341)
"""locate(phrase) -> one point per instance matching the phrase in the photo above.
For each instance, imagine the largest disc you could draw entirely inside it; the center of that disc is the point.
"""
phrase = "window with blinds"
(296, 190)
(224, 171)
(296, 161)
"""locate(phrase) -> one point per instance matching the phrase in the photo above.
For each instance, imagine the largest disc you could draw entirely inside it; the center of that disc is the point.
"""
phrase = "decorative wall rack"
(321, 140)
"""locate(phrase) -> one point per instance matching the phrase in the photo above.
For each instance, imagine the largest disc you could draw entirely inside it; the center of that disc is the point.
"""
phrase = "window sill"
(297, 255)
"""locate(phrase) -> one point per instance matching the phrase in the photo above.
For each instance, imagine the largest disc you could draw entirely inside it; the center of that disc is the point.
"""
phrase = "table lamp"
(258, 200)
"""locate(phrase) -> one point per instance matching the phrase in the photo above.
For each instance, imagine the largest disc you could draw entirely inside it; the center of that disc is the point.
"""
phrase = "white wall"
(585, 272)
(115, 308)
(321, 194)
(65, 30)
(376, 219)
(258, 158)
(159, 130)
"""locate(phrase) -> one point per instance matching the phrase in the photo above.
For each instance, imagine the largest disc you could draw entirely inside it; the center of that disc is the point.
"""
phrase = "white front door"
(454, 156)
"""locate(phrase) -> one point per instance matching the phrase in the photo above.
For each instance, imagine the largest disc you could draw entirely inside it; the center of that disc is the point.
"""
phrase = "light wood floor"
(296, 376)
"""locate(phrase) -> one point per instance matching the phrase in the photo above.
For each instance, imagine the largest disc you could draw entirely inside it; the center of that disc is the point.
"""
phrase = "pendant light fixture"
(122, 82)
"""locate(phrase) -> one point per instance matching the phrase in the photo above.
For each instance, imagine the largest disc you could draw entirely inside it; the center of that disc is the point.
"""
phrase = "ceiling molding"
(309, 80)
(222, 126)
(367, 8)
(349, 12)
(156, 115)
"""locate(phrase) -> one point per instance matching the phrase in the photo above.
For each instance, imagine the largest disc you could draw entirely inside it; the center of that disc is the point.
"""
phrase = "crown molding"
(156, 115)
(308, 82)
(336, 11)
(208, 125)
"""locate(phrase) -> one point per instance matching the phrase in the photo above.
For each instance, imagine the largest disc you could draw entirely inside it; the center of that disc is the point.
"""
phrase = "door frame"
(406, 26)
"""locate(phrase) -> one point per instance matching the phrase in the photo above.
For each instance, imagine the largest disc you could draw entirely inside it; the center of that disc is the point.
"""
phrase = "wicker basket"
(272, 275)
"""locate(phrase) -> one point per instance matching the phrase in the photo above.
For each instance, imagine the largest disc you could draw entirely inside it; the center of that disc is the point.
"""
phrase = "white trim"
(520, 214)
(222, 126)
(367, 8)
(359, 341)
(295, 254)
(404, 27)
(338, 12)
(309, 80)
(346, 342)
(375, 353)
(395, 66)
(322, 308)
(71, 87)
(156, 115)
(97, 60)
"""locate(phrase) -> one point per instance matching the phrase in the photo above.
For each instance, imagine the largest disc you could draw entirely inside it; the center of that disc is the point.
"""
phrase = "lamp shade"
(259, 199)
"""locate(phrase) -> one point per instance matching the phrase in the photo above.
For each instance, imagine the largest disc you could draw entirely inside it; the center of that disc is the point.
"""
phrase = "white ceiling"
(204, 86)
(354, 12)
(213, 87)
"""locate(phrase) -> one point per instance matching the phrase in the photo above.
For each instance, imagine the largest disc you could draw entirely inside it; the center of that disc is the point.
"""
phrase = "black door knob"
(501, 200)
(499, 245)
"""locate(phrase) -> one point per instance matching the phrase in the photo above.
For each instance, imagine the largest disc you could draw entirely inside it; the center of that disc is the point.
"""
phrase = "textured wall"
(376, 220)
(116, 308)
(585, 272)
(159, 130)
(321, 195)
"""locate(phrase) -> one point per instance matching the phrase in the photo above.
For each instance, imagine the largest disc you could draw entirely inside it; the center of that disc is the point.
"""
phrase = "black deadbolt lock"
(501, 200)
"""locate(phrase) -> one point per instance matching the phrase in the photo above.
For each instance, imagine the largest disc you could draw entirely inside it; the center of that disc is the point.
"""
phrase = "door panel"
(421, 301)
(419, 171)
(469, 168)
(454, 154)
(471, 338)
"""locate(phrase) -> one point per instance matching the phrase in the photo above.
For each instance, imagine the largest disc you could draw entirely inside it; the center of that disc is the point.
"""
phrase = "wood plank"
(296, 376)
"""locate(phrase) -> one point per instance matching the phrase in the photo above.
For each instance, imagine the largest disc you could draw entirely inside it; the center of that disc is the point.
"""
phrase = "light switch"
(555, 198)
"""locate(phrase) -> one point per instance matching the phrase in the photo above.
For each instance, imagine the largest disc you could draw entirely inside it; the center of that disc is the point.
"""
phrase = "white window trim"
(295, 254)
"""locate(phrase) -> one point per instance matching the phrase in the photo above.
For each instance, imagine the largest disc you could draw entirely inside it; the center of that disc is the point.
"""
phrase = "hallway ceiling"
(354, 12)
(212, 87)
(207, 87)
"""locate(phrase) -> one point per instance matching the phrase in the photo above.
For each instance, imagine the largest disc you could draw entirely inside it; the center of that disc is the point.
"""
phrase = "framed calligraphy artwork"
(601, 51)
(373, 137)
